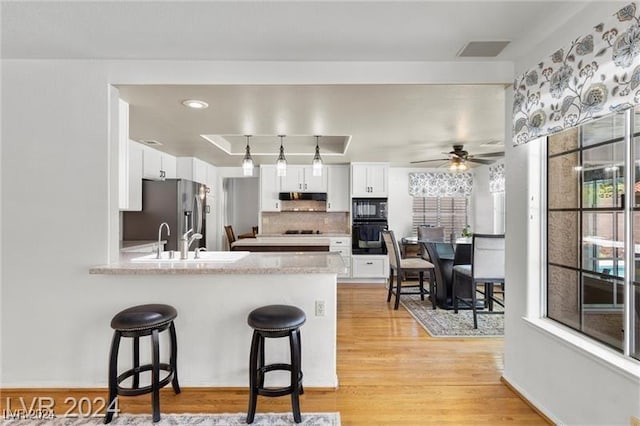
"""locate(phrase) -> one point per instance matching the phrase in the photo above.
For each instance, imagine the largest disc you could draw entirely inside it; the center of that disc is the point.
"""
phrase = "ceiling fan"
(459, 157)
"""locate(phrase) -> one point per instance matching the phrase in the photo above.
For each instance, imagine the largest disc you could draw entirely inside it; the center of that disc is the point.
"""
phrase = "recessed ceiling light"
(195, 104)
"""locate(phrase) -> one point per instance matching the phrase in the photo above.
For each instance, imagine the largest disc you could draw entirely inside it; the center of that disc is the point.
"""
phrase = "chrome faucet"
(160, 237)
(186, 241)
(196, 254)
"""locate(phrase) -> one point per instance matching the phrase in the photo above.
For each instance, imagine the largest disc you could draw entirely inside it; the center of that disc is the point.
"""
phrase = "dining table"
(444, 256)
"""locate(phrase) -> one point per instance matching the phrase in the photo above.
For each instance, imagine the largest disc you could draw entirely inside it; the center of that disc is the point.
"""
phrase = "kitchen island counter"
(213, 300)
(254, 263)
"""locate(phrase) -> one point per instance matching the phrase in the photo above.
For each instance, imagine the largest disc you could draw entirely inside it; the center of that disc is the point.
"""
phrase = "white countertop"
(255, 263)
(132, 245)
(323, 235)
(282, 241)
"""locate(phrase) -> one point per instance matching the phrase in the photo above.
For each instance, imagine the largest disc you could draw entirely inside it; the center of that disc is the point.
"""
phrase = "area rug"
(261, 419)
(444, 323)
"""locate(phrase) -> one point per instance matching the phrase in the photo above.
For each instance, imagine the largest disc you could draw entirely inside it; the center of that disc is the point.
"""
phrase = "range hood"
(303, 196)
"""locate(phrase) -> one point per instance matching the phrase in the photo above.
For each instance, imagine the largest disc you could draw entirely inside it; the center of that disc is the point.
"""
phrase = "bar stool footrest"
(146, 389)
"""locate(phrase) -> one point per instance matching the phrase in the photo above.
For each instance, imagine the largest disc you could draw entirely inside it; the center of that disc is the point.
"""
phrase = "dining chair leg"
(398, 290)
(474, 301)
(422, 285)
(390, 285)
(454, 291)
(432, 288)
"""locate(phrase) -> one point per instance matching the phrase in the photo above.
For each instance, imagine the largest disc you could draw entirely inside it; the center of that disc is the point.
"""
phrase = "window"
(498, 212)
(588, 286)
(449, 212)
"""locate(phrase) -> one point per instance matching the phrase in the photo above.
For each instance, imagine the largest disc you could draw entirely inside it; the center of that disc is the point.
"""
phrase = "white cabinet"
(168, 165)
(342, 245)
(129, 164)
(337, 188)
(369, 179)
(192, 168)
(300, 178)
(134, 187)
(269, 189)
(157, 165)
(369, 266)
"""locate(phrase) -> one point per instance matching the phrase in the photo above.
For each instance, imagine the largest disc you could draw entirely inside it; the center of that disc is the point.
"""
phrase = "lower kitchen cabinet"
(342, 245)
(369, 266)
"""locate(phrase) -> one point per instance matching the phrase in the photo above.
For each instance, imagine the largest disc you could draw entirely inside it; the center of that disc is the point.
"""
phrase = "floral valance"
(496, 178)
(433, 184)
(596, 74)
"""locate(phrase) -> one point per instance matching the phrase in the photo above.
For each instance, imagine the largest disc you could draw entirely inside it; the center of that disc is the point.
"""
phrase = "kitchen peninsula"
(213, 300)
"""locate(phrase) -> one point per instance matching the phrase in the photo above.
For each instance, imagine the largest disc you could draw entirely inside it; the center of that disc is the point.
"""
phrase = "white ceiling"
(400, 123)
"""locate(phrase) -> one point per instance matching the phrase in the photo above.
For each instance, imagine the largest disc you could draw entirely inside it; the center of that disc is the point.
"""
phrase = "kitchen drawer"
(345, 252)
(340, 242)
(369, 266)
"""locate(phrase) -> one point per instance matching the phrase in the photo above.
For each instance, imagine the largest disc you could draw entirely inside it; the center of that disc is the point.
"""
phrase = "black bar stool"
(136, 322)
(267, 322)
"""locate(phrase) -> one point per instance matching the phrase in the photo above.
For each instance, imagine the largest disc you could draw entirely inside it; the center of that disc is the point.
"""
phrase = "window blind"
(448, 212)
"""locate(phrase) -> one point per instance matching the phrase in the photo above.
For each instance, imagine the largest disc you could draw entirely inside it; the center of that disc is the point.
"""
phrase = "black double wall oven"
(369, 219)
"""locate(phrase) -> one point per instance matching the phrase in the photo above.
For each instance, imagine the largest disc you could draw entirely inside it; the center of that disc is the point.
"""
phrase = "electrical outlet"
(320, 308)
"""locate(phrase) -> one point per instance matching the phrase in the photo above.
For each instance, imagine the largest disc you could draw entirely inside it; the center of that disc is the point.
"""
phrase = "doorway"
(242, 203)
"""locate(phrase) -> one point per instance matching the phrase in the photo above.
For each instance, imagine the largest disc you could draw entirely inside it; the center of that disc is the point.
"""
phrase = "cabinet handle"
(208, 209)
(369, 263)
(277, 206)
(305, 186)
(161, 173)
(208, 189)
(338, 242)
(329, 205)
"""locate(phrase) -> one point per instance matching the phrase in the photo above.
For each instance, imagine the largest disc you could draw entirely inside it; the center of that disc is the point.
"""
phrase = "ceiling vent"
(151, 142)
(482, 49)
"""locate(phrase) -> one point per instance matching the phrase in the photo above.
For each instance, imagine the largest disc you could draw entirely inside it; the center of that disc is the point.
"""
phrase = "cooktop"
(301, 231)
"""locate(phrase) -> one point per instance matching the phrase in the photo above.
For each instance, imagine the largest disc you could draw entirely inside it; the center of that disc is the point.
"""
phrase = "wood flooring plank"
(390, 372)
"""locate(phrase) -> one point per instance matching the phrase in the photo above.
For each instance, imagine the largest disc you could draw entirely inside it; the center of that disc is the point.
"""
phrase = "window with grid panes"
(448, 212)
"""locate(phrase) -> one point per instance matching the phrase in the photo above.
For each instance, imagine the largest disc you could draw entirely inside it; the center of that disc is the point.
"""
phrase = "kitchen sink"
(205, 256)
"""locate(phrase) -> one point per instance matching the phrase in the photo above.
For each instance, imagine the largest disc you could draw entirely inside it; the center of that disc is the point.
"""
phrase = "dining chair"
(430, 233)
(231, 236)
(400, 265)
(487, 267)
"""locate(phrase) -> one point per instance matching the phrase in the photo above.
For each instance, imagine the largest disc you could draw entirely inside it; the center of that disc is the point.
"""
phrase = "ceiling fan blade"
(429, 161)
(474, 160)
(490, 154)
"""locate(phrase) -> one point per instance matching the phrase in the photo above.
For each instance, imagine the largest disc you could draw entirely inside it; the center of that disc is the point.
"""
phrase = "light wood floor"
(391, 372)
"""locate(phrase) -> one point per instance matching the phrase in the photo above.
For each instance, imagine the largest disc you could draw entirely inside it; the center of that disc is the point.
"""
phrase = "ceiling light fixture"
(195, 104)
(457, 165)
(317, 161)
(247, 161)
(281, 164)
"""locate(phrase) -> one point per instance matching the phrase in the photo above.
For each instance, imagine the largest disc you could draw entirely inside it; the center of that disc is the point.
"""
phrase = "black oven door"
(366, 238)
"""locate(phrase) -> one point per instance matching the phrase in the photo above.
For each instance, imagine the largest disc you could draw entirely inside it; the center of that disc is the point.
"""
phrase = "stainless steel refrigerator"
(179, 202)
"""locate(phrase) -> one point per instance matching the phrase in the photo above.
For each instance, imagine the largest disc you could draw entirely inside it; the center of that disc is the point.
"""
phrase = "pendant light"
(247, 161)
(317, 161)
(281, 164)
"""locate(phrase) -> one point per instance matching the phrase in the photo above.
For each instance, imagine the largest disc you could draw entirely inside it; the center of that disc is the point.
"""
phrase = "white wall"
(482, 202)
(573, 382)
(244, 203)
(59, 194)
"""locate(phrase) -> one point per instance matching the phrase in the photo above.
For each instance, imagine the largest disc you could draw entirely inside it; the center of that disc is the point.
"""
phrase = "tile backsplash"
(325, 222)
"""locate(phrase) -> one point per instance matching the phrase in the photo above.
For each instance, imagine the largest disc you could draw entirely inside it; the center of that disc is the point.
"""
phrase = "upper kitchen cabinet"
(130, 164)
(269, 189)
(337, 188)
(194, 169)
(157, 165)
(300, 178)
(369, 180)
